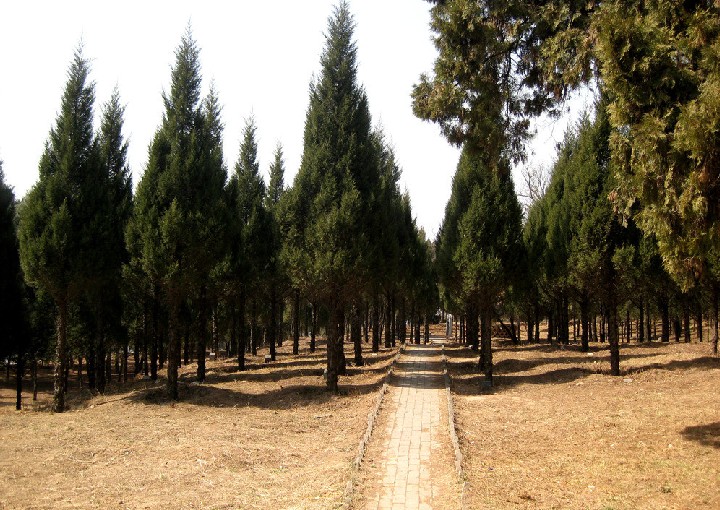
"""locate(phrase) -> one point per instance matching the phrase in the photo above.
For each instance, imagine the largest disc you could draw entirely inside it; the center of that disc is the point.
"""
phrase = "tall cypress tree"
(115, 206)
(249, 247)
(61, 213)
(13, 333)
(479, 246)
(330, 203)
(178, 217)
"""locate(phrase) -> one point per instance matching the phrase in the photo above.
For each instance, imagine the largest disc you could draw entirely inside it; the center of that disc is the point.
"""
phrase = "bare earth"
(558, 432)
(270, 437)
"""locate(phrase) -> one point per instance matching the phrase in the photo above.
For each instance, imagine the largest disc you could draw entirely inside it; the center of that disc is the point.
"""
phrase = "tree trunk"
(402, 330)
(173, 351)
(686, 322)
(388, 321)
(296, 322)
(376, 323)
(471, 327)
(272, 323)
(242, 331)
(641, 322)
(585, 324)
(313, 331)
(202, 334)
(334, 345)
(342, 363)
(392, 331)
(19, 372)
(677, 327)
(427, 329)
(34, 370)
(613, 338)
(486, 362)
(356, 335)
(253, 327)
(699, 321)
(155, 347)
(664, 307)
(715, 320)
(417, 330)
(58, 405)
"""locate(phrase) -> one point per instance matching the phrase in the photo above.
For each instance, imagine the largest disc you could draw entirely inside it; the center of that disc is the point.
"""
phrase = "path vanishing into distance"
(409, 463)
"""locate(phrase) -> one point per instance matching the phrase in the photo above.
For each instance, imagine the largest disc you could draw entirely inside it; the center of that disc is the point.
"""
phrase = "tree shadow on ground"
(704, 363)
(501, 382)
(281, 398)
(706, 435)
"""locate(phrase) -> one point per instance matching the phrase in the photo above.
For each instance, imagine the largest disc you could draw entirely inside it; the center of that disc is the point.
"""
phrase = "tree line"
(201, 259)
(629, 222)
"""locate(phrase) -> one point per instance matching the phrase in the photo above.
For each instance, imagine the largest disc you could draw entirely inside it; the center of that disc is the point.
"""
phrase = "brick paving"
(414, 432)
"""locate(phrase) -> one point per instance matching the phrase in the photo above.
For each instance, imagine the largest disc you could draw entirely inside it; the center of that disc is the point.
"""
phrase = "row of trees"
(631, 215)
(196, 260)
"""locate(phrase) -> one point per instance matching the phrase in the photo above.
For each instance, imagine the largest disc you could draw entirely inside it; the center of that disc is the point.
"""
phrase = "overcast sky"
(261, 57)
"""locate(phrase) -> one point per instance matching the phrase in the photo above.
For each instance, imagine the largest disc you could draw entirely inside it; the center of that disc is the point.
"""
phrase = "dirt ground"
(557, 431)
(269, 437)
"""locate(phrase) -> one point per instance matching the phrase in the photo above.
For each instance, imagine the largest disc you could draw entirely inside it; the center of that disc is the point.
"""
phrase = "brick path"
(413, 433)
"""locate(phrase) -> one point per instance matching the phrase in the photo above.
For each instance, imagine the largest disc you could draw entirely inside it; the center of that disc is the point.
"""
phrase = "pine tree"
(330, 203)
(249, 246)
(479, 246)
(61, 213)
(14, 341)
(176, 231)
(275, 274)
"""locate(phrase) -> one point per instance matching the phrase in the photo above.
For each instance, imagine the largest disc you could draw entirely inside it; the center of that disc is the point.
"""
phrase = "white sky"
(261, 56)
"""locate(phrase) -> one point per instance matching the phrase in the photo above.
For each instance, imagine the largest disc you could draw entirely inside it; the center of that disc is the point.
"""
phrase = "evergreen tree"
(14, 341)
(61, 214)
(104, 299)
(330, 203)
(249, 256)
(178, 218)
(275, 274)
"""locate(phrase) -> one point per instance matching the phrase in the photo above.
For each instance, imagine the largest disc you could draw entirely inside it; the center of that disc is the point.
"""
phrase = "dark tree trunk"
(392, 330)
(242, 332)
(253, 328)
(155, 347)
(313, 331)
(296, 321)
(388, 321)
(272, 323)
(58, 404)
(641, 322)
(186, 342)
(551, 327)
(280, 315)
(125, 355)
(356, 335)
(427, 329)
(101, 379)
(715, 320)
(202, 334)
(173, 351)
(613, 339)
(19, 372)
(366, 323)
(342, 364)
(648, 324)
(376, 323)
(471, 327)
(34, 371)
(417, 330)
(402, 330)
(486, 362)
(699, 322)
(334, 346)
(686, 323)
(677, 327)
(664, 307)
(585, 323)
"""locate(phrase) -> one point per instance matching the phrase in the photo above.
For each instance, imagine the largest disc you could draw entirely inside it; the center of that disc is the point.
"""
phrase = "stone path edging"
(451, 418)
(362, 446)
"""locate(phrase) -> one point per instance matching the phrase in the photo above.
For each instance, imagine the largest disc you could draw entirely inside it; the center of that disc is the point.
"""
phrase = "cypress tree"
(61, 214)
(178, 218)
(14, 340)
(330, 203)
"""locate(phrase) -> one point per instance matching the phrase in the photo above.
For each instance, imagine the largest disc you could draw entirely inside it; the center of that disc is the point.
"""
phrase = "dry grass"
(558, 432)
(269, 437)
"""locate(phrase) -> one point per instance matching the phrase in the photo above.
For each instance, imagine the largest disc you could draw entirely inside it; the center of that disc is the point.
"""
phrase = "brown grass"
(557, 431)
(269, 437)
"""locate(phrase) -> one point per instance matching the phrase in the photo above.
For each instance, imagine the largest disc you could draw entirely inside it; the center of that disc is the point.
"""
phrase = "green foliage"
(13, 334)
(479, 245)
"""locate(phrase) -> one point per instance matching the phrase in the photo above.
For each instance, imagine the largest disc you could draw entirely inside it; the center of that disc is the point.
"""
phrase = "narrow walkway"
(409, 464)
